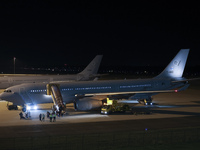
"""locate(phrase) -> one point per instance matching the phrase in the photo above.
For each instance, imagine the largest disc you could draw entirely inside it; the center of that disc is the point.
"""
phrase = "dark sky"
(49, 32)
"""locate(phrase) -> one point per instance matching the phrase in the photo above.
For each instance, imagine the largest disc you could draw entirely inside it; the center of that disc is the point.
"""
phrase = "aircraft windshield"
(8, 91)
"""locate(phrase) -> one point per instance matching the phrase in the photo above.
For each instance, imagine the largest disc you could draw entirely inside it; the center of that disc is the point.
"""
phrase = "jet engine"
(87, 104)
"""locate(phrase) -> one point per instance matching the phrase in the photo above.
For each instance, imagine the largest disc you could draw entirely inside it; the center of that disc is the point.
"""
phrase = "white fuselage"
(8, 81)
(89, 73)
(36, 93)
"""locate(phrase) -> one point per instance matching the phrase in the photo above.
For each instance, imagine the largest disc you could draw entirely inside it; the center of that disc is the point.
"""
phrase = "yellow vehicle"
(113, 106)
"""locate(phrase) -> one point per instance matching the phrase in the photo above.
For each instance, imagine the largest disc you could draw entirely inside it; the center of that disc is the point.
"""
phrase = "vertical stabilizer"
(176, 66)
(91, 70)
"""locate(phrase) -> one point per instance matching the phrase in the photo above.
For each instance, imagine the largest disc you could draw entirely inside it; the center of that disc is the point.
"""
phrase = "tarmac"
(170, 110)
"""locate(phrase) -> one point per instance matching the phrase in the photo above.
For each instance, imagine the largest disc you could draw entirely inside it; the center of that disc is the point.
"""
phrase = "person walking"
(48, 113)
(43, 117)
(50, 116)
(54, 117)
(40, 117)
(21, 115)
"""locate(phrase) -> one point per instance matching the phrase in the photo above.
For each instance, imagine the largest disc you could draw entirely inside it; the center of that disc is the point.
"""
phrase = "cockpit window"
(8, 91)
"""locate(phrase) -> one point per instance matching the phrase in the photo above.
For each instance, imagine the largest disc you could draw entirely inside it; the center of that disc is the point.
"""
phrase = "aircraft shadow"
(175, 112)
(198, 102)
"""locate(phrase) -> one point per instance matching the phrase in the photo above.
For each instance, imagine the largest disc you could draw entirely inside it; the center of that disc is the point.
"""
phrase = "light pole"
(14, 65)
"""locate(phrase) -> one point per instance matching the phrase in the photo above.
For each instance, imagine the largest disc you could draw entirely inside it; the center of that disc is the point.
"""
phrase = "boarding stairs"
(54, 91)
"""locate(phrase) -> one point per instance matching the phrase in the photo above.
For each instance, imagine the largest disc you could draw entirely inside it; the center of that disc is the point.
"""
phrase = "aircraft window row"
(34, 91)
(94, 88)
(8, 91)
(133, 86)
(68, 89)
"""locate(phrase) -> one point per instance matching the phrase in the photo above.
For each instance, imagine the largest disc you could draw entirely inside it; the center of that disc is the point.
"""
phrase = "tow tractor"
(113, 106)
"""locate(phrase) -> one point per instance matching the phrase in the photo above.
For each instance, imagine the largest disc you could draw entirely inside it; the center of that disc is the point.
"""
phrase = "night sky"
(73, 32)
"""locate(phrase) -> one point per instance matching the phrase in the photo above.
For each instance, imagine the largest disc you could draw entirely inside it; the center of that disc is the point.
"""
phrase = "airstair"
(54, 91)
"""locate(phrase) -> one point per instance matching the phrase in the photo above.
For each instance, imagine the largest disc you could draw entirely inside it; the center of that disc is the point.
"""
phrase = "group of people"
(51, 116)
(25, 115)
(42, 117)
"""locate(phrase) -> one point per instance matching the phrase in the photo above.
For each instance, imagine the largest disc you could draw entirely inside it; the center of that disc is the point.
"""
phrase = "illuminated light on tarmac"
(2, 101)
(85, 116)
(165, 106)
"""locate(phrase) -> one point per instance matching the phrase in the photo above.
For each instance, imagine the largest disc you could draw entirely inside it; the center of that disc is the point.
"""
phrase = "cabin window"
(134, 86)
(94, 88)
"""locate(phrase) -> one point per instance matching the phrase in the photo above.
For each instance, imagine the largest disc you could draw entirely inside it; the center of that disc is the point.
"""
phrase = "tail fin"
(176, 66)
(91, 70)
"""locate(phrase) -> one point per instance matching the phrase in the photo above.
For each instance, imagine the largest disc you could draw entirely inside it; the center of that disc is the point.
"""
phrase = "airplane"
(83, 94)
(89, 73)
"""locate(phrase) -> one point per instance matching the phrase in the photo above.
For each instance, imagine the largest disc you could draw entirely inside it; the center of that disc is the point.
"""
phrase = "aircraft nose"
(11, 97)
(2, 96)
(6, 96)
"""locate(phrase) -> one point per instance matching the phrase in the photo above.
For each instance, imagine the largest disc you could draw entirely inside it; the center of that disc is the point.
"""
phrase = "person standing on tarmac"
(54, 117)
(43, 117)
(40, 117)
(48, 113)
(21, 115)
(50, 116)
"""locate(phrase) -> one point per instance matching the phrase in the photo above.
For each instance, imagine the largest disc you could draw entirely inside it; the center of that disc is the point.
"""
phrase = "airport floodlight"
(14, 63)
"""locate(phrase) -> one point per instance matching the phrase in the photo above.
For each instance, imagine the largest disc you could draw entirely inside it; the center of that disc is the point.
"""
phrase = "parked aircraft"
(89, 73)
(82, 93)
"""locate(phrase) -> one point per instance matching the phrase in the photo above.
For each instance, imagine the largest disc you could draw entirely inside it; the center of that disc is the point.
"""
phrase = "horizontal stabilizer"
(183, 88)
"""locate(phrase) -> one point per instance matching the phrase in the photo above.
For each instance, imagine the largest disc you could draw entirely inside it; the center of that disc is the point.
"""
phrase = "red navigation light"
(175, 91)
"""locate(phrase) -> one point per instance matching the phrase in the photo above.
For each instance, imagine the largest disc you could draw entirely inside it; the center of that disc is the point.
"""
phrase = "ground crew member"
(54, 117)
(50, 116)
(29, 114)
(43, 117)
(21, 115)
(40, 117)
(48, 113)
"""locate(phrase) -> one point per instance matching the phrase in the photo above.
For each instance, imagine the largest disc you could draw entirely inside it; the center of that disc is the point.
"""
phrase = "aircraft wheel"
(24, 109)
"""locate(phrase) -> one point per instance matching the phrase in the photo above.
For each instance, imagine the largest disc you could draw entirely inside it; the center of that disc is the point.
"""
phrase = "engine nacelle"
(87, 104)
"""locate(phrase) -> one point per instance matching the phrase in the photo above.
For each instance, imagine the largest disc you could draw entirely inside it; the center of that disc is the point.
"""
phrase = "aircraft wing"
(132, 92)
(143, 92)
